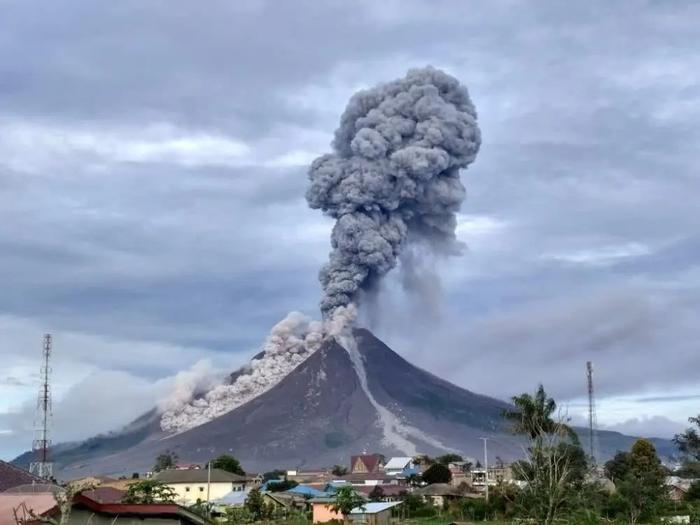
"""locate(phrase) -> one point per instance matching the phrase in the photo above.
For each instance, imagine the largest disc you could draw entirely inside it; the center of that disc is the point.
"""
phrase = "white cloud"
(601, 255)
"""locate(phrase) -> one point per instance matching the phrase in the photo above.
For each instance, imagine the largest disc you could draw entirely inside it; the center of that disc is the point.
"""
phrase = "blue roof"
(235, 497)
(305, 490)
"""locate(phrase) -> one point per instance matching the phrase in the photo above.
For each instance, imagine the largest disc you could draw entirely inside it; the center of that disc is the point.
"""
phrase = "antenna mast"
(41, 466)
(592, 419)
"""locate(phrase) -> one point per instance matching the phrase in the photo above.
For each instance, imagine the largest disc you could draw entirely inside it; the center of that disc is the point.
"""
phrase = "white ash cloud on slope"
(195, 400)
(392, 180)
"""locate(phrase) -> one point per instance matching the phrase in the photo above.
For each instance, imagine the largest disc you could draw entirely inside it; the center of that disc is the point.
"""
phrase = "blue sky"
(153, 161)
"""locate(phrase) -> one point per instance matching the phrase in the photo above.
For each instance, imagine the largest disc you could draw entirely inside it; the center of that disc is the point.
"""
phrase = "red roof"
(105, 494)
(371, 462)
(141, 510)
(12, 476)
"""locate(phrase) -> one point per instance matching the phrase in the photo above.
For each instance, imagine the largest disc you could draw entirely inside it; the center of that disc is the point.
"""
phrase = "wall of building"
(323, 513)
(189, 493)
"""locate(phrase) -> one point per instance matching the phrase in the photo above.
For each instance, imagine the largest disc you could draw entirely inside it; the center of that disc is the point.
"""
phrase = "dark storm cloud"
(153, 159)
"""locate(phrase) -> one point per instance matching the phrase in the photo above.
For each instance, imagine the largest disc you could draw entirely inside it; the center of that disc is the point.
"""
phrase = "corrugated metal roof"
(374, 507)
(397, 463)
(198, 476)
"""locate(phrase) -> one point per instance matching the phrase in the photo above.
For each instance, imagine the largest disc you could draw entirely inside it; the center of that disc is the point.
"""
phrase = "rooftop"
(198, 476)
(397, 463)
(374, 507)
(12, 476)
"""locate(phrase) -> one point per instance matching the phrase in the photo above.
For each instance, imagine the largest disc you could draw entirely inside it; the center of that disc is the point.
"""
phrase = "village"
(371, 489)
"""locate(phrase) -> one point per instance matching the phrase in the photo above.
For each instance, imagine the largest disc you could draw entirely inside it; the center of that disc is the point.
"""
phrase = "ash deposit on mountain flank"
(392, 180)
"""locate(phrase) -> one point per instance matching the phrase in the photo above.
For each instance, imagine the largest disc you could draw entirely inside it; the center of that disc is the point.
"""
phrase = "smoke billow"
(392, 181)
(290, 343)
(393, 178)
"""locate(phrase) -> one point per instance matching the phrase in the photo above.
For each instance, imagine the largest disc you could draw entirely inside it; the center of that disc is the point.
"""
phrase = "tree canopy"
(229, 464)
(533, 416)
(689, 441)
(149, 491)
(165, 461)
(446, 459)
(347, 499)
(437, 473)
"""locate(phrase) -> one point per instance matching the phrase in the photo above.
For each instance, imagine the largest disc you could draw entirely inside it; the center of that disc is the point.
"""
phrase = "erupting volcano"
(319, 391)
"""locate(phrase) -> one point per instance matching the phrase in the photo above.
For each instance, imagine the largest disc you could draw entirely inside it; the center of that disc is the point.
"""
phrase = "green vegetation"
(149, 491)
(347, 499)
(449, 458)
(339, 470)
(437, 473)
(165, 461)
(689, 441)
(229, 464)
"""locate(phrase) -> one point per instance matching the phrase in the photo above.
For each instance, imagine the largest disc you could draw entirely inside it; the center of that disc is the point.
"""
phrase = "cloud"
(654, 426)
(152, 179)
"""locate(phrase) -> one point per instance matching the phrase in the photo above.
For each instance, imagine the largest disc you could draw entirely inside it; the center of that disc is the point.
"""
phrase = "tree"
(555, 466)
(376, 494)
(255, 504)
(689, 441)
(346, 499)
(229, 464)
(274, 474)
(618, 466)
(693, 494)
(165, 461)
(446, 459)
(640, 489)
(437, 473)
(339, 470)
(550, 474)
(24, 515)
(533, 416)
(281, 485)
(149, 491)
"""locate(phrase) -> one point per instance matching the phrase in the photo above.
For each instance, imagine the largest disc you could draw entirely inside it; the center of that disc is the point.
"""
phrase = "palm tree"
(533, 416)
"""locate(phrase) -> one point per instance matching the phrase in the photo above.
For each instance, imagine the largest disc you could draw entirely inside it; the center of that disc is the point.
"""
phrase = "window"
(187, 489)
(201, 489)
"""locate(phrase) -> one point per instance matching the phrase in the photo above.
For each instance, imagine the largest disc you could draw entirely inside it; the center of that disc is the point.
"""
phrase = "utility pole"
(208, 481)
(486, 466)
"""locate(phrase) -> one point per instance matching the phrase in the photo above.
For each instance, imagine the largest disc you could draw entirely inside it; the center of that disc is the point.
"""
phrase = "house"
(460, 472)
(23, 509)
(200, 484)
(677, 487)
(366, 464)
(12, 476)
(438, 494)
(400, 466)
(496, 475)
(373, 513)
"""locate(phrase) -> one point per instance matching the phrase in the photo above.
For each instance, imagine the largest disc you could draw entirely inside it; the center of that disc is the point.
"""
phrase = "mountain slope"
(319, 415)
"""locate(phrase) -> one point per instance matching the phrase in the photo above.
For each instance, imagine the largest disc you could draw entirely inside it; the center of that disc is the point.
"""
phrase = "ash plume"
(393, 178)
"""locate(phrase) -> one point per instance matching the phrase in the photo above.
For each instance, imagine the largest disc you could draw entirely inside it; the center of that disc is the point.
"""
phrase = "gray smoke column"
(393, 178)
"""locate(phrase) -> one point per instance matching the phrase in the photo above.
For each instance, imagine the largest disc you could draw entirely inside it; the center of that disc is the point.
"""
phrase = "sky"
(153, 160)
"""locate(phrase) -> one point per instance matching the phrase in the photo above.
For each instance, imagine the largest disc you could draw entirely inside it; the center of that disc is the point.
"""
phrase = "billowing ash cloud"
(290, 343)
(393, 177)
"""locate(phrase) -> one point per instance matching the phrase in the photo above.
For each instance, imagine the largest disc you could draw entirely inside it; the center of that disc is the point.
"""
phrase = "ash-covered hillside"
(323, 411)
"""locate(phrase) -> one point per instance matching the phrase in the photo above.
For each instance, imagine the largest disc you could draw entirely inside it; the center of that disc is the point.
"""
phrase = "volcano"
(322, 412)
